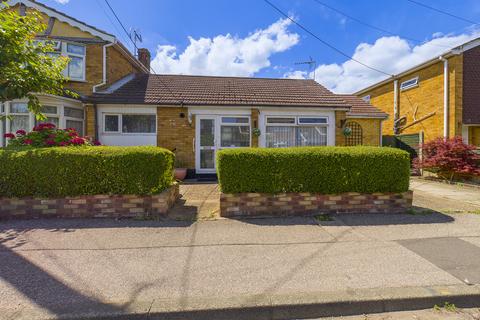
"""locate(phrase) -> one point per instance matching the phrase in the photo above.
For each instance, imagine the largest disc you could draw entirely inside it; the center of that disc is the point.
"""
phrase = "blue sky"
(248, 38)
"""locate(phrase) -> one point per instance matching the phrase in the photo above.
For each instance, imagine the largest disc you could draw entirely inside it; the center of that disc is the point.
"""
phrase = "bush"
(326, 170)
(47, 135)
(71, 171)
(449, 158)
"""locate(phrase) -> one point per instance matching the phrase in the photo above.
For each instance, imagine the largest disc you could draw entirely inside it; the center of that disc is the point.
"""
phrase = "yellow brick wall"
(254, 124)
(340, 117)
(174, 132)
(90, 124)
(428, 96)
(370, 131)
(474, 136)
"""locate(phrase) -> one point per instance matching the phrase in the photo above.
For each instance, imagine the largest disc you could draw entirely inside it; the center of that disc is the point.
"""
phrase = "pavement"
(271, 268)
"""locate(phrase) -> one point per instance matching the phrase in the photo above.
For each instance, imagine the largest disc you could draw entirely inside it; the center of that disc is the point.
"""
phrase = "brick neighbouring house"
(121, 104)
(439, 98)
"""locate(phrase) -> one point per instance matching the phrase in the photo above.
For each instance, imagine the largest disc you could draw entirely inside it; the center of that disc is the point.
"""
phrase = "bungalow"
(122, 104)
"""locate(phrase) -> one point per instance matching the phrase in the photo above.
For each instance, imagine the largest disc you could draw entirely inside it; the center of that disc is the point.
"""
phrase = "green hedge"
(71, 171)
(326, 170)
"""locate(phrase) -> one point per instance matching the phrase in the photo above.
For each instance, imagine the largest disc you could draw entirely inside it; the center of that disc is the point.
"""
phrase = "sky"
(249, 38)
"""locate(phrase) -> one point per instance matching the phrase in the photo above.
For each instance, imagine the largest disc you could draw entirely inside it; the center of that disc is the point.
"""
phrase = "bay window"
(130, 123)
(296, 131)
(20, 117)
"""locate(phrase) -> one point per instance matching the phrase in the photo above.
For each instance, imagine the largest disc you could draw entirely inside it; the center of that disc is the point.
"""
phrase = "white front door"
(215, 132)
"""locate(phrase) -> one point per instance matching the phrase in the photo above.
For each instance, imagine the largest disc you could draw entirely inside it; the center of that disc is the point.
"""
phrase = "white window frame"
(64, 118)
(298, 124)
(120, 124)
(244, 124)
(69, 54)
(404, 86)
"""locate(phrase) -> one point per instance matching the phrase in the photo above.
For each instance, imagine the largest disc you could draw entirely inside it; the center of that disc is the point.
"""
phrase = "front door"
(215, 132)
(205, 146)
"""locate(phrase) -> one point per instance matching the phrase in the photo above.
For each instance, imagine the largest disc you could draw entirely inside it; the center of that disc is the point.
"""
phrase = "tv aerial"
(312, 65)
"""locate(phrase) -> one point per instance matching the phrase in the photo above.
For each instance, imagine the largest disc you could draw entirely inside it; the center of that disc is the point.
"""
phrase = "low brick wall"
(90, 206)
(259, 204)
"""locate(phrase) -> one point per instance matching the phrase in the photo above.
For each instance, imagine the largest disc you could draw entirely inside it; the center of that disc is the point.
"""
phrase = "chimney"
(144, 57)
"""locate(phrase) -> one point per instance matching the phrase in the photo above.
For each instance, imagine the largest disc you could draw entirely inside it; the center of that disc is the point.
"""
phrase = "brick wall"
(254, 124)
(340, 118)
(260, 204)
(428, 97)
(370, 131)
(108, 206)
(175, 132)
(90, 121)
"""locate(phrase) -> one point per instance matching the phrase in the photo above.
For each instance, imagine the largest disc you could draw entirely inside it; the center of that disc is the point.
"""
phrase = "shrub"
(326, 170)
(47, 135)
(449, 158)
(71, 171)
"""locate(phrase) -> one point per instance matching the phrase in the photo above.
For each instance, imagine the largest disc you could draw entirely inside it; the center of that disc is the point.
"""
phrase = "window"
(139, 123)
(409, 84)
(76, 65)
(235, 132)
(51, 112)
(296, 131)
(130, 123)
(74, 118)
(111, 123)
(20, 117)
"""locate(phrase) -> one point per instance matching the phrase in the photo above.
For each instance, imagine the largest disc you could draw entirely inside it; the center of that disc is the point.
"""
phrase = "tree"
(448, 158)
(25, 65)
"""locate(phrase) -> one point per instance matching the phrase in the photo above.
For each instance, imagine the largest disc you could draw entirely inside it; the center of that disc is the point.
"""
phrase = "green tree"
(25, 65)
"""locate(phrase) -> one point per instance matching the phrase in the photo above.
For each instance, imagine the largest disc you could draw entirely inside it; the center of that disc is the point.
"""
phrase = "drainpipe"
(445, 97)
(104, 80)
(395, 105)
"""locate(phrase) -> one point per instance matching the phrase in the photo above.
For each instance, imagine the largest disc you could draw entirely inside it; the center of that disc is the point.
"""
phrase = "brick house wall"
(428, 96)
(370, 131)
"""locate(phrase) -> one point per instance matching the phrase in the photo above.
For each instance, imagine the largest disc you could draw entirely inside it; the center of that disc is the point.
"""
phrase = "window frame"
(66, 118)
(229, 124)
(120, 124)
(312, 124)
(414, 84)
(65, 53)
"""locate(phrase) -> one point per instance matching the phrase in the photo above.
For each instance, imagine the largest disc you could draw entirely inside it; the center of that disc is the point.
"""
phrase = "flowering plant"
(448, 158)
(47, 135)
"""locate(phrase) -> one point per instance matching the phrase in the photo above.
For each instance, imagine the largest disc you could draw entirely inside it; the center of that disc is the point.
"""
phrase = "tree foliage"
(448, 158)
(25, 65)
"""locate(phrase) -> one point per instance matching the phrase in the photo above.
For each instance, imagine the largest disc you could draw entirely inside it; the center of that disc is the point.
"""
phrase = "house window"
(235, 132)
(20, 119)
(75, 69)
(355, 137)
(296, 131)
(130, 123)
(409, 84)
(52, 114)
(74, 118)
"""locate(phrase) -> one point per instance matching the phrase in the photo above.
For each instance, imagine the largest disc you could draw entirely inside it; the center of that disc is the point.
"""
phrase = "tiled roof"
(223, 91)
(362, 108)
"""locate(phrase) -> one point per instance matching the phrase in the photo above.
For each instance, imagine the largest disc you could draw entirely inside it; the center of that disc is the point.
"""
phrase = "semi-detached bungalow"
(197, 115)
(120, 103)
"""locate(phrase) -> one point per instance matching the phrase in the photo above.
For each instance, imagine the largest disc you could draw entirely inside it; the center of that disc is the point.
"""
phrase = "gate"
(408, 142)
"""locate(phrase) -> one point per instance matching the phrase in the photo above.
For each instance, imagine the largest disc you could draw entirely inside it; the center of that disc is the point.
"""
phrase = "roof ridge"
(231, 77)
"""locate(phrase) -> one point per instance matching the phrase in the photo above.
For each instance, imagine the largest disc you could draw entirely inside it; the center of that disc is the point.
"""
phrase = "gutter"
(445, 97)
(104, 81)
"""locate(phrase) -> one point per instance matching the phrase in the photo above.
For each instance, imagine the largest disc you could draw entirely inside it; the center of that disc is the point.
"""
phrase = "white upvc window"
(296, 131)
(74, 118)
(128, 123)
(412, 83)
(234, 132)
(76, 53)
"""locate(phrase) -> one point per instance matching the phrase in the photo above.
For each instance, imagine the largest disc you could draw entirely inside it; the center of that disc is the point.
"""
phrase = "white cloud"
(389, 54)
(62, 1)
(227, 54)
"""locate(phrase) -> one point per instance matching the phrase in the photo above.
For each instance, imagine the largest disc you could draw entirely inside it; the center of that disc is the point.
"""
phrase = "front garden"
(313, 179)
(53, 172)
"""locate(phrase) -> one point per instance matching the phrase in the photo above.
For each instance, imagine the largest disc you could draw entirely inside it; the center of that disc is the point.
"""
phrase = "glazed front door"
(205, 144)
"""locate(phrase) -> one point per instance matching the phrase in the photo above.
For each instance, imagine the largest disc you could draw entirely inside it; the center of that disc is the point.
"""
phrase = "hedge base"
(90, 206)
(265, 204)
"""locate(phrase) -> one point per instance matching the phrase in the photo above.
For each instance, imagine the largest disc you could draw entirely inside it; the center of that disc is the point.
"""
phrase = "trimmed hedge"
(72, 171)
(326, 170)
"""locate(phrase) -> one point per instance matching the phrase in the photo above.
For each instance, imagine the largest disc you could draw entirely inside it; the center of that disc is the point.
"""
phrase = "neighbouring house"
(438, 98)
(97, 59)
(122, 104)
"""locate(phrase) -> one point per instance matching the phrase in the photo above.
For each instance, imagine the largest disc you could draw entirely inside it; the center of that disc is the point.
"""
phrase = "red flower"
(21, 132)
(50, 142)
(72, 134)
(9, 135)
(62, 143)
(44, 126)
(52, 135)
(97, 143)
(77, 141)
(28, 141)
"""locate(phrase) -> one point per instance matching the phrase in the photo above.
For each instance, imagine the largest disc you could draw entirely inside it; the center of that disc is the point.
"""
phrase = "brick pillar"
(254, 119)
(90, 120)
(144, 57)
(340, 118)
